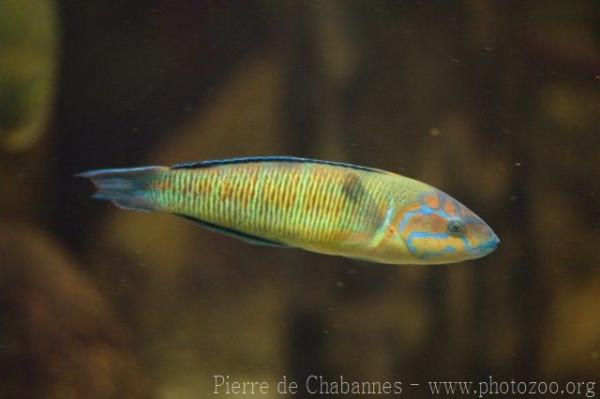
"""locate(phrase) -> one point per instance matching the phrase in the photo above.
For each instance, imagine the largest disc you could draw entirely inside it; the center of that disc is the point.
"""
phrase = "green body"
(319, 207)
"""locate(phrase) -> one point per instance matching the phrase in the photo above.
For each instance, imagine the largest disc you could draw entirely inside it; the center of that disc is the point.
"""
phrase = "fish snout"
(488, 245)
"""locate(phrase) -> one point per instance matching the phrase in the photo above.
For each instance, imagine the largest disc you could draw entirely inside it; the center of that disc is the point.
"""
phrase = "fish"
(326, 207)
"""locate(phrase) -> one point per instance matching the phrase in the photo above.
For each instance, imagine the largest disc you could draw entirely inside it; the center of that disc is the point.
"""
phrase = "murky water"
(494, 103)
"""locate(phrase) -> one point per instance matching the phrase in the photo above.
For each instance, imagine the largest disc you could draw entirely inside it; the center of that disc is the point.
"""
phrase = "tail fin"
(126, 188)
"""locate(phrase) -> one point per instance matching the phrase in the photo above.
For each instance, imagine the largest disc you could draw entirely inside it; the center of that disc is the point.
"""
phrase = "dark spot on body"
(352, 187)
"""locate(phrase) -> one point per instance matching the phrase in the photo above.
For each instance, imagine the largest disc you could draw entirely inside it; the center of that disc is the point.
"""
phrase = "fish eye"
(456, 228)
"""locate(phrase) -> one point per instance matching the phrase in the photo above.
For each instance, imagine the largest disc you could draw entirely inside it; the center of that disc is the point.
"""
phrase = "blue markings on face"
(424, 209)
(473, 240)
(468, 246)
(427, 254)
(448, 250)
(487, 247)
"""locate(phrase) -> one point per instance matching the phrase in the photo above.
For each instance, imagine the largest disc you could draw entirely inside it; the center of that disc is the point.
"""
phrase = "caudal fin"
(126, 188)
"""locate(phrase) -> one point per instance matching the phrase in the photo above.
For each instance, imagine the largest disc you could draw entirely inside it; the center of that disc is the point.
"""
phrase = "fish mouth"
(487, 247)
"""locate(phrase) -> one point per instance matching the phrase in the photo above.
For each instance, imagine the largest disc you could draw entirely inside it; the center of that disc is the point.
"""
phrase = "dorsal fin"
(277, 158)
(233, 233)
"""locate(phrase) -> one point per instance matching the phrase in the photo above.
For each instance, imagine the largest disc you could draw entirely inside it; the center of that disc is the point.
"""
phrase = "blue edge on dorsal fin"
(276, 158)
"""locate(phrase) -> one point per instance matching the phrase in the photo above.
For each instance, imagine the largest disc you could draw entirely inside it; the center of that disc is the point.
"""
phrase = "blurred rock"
(58, 338)
(28, 54)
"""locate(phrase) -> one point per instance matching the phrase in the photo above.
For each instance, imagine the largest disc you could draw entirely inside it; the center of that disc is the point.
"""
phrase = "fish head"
(438, 229)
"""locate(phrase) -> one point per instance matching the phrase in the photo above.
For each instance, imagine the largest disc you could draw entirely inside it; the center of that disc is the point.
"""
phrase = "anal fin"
(249, 238)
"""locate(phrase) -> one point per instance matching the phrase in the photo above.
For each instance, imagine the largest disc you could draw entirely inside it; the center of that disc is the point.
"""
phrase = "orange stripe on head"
(437, 245)
(409, 208)
(428, 223)
(400, 215)
(449, 207)
(432, 201)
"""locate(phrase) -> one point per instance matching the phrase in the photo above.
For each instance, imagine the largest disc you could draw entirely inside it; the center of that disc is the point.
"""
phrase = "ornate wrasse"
(320, 206)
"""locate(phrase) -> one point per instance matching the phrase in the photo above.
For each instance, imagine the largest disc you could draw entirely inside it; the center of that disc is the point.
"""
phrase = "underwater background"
(496, 103)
